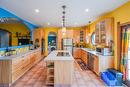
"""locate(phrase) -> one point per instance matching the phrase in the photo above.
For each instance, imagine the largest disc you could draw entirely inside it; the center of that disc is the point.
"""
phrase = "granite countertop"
(93, 52)
(19, 55)
(53, 56)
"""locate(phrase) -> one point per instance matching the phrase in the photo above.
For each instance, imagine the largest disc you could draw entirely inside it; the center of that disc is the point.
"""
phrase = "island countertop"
(53, 56)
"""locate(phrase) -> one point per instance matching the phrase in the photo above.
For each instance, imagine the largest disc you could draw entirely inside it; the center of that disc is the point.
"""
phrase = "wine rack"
(50, 74)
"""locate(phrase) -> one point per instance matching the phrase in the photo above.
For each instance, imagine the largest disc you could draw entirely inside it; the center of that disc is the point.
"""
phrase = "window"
(93, 39)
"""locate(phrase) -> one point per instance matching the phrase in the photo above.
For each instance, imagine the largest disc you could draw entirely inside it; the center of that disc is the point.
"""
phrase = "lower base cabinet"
(11, 70)
(96, 63)
(60, 73)
(84, 55)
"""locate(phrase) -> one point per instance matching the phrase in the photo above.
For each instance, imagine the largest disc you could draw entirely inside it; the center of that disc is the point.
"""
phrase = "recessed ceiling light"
(48, 23)
(75, 23)
(62, 23)
(37, 10)
(86, 10)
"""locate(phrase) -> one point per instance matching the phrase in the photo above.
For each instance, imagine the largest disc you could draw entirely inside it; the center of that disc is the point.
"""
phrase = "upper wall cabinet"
(76, 36)
(104, 31)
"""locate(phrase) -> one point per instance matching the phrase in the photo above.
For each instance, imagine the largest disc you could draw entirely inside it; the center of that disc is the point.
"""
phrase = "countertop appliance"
(67, 44)
(104, 51)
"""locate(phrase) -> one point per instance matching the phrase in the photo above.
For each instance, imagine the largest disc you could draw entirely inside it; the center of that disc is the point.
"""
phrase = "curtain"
(124, 50)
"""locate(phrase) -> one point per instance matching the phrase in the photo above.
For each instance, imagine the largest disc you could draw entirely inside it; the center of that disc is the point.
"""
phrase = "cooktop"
(63, 54)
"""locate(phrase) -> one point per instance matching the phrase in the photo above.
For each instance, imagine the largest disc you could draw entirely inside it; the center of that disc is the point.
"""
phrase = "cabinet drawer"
(17, 64)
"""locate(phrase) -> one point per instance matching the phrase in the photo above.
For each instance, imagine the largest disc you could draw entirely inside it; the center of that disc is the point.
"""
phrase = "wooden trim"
(124, 24)
(118, 45)
(119, 32)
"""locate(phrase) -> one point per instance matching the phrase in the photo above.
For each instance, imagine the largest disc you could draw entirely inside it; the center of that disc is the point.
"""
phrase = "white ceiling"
(51, 11)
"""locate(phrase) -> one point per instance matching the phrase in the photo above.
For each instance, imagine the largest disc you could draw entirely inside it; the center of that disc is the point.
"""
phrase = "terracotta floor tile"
(83, 86)
(91, 84)
(36, 77)
(38, 84)
(31, 81)
(74, 85)
(19, 84)
(81, 82)
(25, 78)
(28, 86)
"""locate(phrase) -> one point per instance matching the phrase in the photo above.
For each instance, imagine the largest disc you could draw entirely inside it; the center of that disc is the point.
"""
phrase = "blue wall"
(8, 14)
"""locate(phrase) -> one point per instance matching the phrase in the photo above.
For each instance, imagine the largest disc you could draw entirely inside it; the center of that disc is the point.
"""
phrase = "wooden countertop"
(53, 56)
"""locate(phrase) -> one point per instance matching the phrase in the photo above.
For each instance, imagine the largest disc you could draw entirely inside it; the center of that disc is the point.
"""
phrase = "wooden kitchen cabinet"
(76, 53)
(84, 56)
(76, 36)
(59, 70)
(104, 31)
(21, 65)
(96, 64)
(12, 69)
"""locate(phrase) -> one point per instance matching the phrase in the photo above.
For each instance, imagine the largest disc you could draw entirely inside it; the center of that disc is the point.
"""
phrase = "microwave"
(104, 51)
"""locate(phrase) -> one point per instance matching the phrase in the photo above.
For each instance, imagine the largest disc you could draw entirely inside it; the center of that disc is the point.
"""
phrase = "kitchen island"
(14, 66)
(60, 68)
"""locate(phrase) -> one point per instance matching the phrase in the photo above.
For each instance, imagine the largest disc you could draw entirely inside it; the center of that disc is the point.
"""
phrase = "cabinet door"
(76, 36)
(17, 68)
(97, 33)
(32, 59)
(104, 31)
(96, 64)
(77, 53)
(84, 56)
(26, 63)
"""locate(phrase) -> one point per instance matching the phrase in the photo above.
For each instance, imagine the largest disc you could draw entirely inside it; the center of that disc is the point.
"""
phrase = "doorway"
(42, 46)
(52, 41)
(5, 38)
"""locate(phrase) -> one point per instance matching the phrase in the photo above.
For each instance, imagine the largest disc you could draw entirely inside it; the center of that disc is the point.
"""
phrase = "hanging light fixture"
(63, 20)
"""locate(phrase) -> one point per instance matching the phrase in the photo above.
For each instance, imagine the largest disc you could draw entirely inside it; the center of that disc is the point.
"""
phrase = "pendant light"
(63, 21)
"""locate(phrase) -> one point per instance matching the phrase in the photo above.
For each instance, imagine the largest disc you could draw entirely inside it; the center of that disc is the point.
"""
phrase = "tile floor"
(36, 77)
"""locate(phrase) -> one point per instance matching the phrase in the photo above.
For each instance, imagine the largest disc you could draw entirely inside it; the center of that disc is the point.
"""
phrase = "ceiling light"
(37, 10)
(63, 21)
(75, 23)
(48, 23)
(86, 10)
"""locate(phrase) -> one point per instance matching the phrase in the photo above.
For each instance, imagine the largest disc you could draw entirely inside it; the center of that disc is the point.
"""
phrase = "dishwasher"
(90, 61)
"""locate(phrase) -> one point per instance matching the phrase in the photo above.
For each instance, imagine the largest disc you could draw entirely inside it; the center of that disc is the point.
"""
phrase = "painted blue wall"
(8, 14)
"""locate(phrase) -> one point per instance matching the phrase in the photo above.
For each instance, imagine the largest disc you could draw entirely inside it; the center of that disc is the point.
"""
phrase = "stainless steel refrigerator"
(67, 44)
